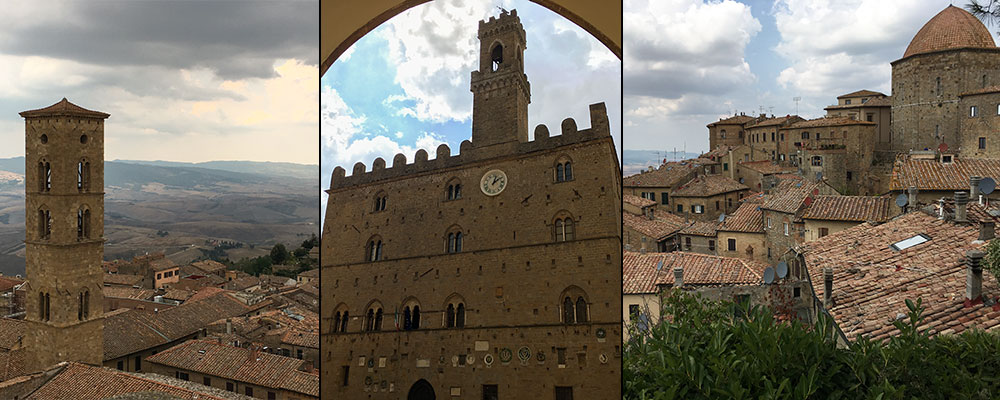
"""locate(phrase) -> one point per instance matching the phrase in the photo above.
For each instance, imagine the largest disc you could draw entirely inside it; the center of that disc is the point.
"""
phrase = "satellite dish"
(987, 185)
(815, 192)
(901, 200)
(943, 147)
(769, 275)
(819, 176)
(782, 269)
(808, 201)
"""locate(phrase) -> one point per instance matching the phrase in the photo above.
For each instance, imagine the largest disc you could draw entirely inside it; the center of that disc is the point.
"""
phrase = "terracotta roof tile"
(239, 364)
(664, 224)
(829, 121)
(746, 218)
(637, 201)
(734, 120)
(766, 167)
(124, 292)
(849, 208)
(85, 382)
(64, 108)
(209, 266)
(719, 151)
(871, 280)
(860, 93)
(708, 185)
(790, 195)
(934, 175)
(301, 338)
(8, 283)
(122, 279)
(640, 274)
(667, 175)
(774, 121)
(952, 28)
(701, 228)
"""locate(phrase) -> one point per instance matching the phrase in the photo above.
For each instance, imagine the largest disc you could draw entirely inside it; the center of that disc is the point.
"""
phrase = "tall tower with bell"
(64, 240)
(500, 88)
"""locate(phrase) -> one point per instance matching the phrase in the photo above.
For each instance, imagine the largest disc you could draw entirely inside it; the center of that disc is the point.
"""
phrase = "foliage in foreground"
(706, 353)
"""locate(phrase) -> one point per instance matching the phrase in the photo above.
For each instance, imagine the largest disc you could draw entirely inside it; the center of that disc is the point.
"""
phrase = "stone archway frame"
(344, 22)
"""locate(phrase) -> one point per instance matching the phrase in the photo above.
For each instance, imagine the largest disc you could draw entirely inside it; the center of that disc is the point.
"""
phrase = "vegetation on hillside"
(712, 350)
(279, 255)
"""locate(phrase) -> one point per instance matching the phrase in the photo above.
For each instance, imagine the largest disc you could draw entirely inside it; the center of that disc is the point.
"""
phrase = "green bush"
(711, 350)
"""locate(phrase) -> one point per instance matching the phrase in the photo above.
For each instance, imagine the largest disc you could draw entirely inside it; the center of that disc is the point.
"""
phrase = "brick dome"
(952, 28)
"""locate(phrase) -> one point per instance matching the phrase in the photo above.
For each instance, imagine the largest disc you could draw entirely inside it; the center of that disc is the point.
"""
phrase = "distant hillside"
(304, 171)
(635, 160)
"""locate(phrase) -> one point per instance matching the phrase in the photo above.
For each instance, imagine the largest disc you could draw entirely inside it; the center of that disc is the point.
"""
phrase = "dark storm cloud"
(234, 39)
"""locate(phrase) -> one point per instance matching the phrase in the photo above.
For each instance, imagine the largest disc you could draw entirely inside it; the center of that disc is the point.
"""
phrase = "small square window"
(982, 143)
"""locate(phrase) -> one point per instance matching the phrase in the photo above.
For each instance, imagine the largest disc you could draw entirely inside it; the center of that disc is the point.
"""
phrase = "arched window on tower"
(411, 314)
(460, 316)
(581, 310)
(575, 308)
(564, 169)
(373, 250)
(568, 311)
(455, 312)
(83, 176)
(343, 321)
(563, 227)
(44, 224)
(369, 320)
(44, 176)
(82, 223)
(496, 57)
(454, 189)
(380, 199)
(454, 239)
(378, 319)
(79, 308)
(47, 314)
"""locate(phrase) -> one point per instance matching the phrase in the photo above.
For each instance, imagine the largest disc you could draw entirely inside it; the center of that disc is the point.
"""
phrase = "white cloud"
(682, 46)
(838, 48)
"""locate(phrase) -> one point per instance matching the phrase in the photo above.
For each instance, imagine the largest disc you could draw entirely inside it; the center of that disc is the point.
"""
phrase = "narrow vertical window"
(415, 324)
(568, 308)
(568, 227)
(407, 322)
(79, 309)
(47, 314)
(560, 176)
(378, 320)
(581, 310)
(79, 224)
(569, 171)
(343, 322)
(449, 316)
(460, 316)
(560, 233)
(369, 320)
(48, 177)
(79, 176)
(458, 242)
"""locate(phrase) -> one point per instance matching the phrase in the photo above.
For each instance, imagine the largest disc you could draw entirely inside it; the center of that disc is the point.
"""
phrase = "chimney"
(642, 250)
(987, 231)
(974, 276)
(679, 277)
(974, 187)
(229, 326)
(828, 288)
(912, 200)
(651, 217)
(961, 202)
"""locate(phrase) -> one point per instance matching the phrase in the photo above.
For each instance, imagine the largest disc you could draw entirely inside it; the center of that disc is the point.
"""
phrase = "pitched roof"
(63, 108)
(861, 93)
(640, 274)
(773, 121)
(637, 201)
(125, 292)
(312, 273)
(132, 331)
(766, 167)
(952, 28)
(161, 264)
(122, 279)
(790, 195)
(985, 90)
(849, 208)
(718, 151)
(301, 338)
(209, 266)
(829, 121)
(871, 281)
(701, 228)
(239, 364)
(708, 185)
(663, 225)
(872, 102)
(667, 175)
(935, 175)
(734, 120)
(86, 382)
(8, 283)
(746, 218)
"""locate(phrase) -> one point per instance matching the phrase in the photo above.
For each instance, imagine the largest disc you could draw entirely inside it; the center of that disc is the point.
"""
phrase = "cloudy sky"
(405, 85)
(690, 62)
(182, 80)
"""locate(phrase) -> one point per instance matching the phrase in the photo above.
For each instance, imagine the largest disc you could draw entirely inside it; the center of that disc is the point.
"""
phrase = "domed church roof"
(952, 28)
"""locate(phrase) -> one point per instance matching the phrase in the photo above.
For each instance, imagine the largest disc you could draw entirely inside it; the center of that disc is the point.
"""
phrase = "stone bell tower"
(64, 240)
(500, 88)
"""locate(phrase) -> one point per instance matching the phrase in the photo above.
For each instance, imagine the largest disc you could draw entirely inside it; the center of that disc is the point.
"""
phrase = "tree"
(279, 254)
(313, 241)
(988, 12)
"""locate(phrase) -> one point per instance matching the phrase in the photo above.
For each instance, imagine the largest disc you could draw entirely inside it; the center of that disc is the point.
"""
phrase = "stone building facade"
(980, 123)
(64, 239)
(729, 131)
(838, 149)
(952, 54)
(869, 106)
(764, 135)
(493, 273)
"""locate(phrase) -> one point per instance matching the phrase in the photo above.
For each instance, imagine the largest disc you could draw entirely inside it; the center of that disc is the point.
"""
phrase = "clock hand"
(495, 178)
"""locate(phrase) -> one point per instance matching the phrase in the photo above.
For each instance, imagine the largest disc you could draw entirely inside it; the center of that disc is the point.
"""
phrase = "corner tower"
(64, 239)
(500, 88)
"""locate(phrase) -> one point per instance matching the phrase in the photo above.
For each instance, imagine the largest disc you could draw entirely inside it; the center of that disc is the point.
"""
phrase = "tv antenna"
(502, 10)
(796, 99)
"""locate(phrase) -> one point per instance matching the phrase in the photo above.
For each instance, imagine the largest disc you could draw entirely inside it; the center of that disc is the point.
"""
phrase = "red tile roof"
(790, 195)
(952, 28)
(871, 281)
(934, 175)
(209, 266)
(301, 338)
(707, 186)
(8, 283)
(860, 93)
(640, 274)
(124, 292)
(239, 364)
(719, 151)
(701, 228)
(734, 120)
(64, 108)
(829, 121)
(663, 225)
(84, 382)
(122, 279)
(766, 167)
(849, 208)
(746, 218)
(774, 121)
(637, 201)
(667, 175)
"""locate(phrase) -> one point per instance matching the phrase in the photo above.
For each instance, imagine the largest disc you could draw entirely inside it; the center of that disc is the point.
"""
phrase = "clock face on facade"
(493, 182)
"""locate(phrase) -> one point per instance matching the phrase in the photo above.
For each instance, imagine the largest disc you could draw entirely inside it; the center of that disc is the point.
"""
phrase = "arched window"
(454, 189)
(563, 228)
(378, 319)
(335, 327)
(411, 315)
(581, 310)
(454, 239)
(723, 134)
(44, 224)
(82, 223)
(83, 176)
(564, 169)
(379, 202)
(568, 311)
(560, 175)
(574, 306)
(450, 316)
(496, 56)
(79, 310)
(460, 316)
(455, 312)
(343, 321)
(369, 320)
(46, 306)
(373, 250)
(41, 306)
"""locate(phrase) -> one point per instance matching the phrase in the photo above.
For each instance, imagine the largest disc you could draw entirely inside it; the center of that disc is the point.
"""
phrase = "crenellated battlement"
(506, 21)
(468, 153)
